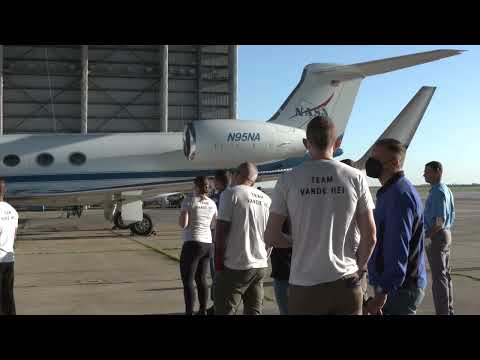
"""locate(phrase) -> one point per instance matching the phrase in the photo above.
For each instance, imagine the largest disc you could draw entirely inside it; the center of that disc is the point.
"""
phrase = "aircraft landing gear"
(117, 220)
(74, 211)
(144, 227)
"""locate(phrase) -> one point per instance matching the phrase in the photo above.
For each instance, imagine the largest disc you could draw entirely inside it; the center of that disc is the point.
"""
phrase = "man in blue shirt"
(439, 217)
(396, 269)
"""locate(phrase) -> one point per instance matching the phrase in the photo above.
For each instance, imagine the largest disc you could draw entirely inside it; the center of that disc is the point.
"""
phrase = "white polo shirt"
(200, 214)
(246, 209)
(8, 230)
(322, 198)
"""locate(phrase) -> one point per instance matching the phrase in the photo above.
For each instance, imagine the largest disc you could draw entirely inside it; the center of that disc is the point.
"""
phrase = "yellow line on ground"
(176, 258)
(467, 276)
(173, 257)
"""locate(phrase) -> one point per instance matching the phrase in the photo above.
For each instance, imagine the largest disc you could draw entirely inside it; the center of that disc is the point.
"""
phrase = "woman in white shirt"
(197, 217)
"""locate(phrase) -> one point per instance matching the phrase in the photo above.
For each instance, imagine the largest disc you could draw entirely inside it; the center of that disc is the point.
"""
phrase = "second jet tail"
(405, 125)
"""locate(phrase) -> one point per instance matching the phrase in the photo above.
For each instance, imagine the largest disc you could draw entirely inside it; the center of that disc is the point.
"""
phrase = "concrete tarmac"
(81, 267)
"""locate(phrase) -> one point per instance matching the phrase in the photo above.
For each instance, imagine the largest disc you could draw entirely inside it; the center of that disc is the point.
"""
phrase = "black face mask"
(374, 168)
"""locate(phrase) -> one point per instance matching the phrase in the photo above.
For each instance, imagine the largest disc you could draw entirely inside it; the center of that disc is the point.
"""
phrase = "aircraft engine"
(226, 142)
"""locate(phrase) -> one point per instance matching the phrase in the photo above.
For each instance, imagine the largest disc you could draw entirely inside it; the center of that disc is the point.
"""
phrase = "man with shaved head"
(323, 198)
(241, 259)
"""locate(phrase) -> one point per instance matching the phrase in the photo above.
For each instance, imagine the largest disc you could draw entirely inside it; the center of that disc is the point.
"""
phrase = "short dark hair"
(321, 132)
(348, 162)
(201, 182)
(394, 146)
(223, 176)
(248, 171)
(435, 166)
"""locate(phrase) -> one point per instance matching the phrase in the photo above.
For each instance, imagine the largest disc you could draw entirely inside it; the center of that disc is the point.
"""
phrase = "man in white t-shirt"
(322, 197)
(241, 259)
(8, 231)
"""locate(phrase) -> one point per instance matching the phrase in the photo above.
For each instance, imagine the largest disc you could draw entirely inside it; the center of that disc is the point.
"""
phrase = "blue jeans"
(281, 294)
(404, 302)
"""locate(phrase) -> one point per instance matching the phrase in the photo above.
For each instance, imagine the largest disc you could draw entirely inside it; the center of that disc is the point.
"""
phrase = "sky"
(449, 131)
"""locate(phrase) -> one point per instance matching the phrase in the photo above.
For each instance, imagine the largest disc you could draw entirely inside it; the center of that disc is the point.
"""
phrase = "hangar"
(114, 88)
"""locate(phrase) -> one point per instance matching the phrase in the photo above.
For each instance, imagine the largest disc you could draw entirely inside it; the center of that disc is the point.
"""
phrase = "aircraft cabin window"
(78, 159)
(11, 160)
(45, 159)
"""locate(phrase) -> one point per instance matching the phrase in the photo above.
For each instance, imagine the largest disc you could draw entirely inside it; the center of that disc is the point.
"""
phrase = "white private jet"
(119, 171)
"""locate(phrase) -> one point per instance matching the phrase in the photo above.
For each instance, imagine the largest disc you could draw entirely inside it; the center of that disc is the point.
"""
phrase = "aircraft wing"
(98, 196)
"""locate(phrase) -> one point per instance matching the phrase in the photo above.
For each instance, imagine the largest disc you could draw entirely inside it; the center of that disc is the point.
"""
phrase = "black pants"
(7, 301)
(194, 262)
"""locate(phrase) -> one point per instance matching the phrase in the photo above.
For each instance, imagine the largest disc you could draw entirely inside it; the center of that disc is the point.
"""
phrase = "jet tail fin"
(405, 125)
(331, 89)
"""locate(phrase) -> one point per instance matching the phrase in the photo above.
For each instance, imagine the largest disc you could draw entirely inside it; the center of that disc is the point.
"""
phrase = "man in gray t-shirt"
(323, 197)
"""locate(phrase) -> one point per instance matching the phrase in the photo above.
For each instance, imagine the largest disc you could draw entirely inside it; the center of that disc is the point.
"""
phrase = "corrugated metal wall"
(42, 87)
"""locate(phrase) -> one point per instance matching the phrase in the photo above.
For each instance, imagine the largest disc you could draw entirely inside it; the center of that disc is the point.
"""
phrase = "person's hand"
(433, 231)
(361, 274)
(364, 310)
(375, 305)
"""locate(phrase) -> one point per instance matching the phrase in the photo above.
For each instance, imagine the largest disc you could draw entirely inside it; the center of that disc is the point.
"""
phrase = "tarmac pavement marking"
(466, 276)
(177, 258)
(173, 257)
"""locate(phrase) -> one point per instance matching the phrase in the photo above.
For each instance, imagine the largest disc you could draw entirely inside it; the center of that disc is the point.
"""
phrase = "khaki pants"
(233, 286)
(341, 297)
(438, 253)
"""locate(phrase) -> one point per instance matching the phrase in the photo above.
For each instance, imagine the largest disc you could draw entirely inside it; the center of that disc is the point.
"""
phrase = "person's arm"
(366, 224)
(439, 223)
(453, 209)
(278, 213)
(183, 218)
(273, 233)
(222, 227)
(439, 205)
(214, 220)
(15, 233)
(368, 238)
